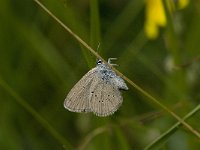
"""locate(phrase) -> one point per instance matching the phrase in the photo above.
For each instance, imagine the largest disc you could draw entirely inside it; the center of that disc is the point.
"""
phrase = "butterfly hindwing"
(105, 97)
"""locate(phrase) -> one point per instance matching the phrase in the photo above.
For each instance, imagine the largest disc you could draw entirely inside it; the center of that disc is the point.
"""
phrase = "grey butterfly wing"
(119, 82)
(77, 99)
(105, 98)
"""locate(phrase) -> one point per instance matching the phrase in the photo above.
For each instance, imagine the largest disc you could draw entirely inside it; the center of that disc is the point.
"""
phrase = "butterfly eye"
(99, 62)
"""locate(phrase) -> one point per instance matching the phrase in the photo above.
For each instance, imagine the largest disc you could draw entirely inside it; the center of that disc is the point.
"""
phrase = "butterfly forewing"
(78, 98)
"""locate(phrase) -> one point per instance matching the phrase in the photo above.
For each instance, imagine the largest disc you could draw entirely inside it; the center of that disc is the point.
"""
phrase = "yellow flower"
(183, 3)
(156, 17)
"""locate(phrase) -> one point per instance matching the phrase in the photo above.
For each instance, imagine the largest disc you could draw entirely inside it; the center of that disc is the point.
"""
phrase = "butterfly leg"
(109, 61)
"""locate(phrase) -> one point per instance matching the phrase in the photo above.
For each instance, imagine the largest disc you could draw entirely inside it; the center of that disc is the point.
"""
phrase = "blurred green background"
(40, 62)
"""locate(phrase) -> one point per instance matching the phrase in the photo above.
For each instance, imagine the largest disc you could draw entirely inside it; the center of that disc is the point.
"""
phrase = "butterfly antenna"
(98, 47)
(97, 50)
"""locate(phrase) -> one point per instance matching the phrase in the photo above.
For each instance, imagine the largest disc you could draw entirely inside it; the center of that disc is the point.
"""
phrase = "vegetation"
(40, 62)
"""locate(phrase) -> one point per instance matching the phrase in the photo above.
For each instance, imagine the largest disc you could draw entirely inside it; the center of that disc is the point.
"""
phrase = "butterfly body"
(98, 91)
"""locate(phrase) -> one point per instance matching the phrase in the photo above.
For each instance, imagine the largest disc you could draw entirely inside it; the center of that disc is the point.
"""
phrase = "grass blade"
(158, 142)
(35, 114)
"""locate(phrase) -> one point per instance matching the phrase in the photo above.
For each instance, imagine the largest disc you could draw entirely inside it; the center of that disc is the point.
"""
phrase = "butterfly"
(98, 91)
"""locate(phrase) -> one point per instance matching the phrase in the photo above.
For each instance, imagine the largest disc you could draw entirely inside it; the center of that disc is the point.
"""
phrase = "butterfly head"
(99, 62)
